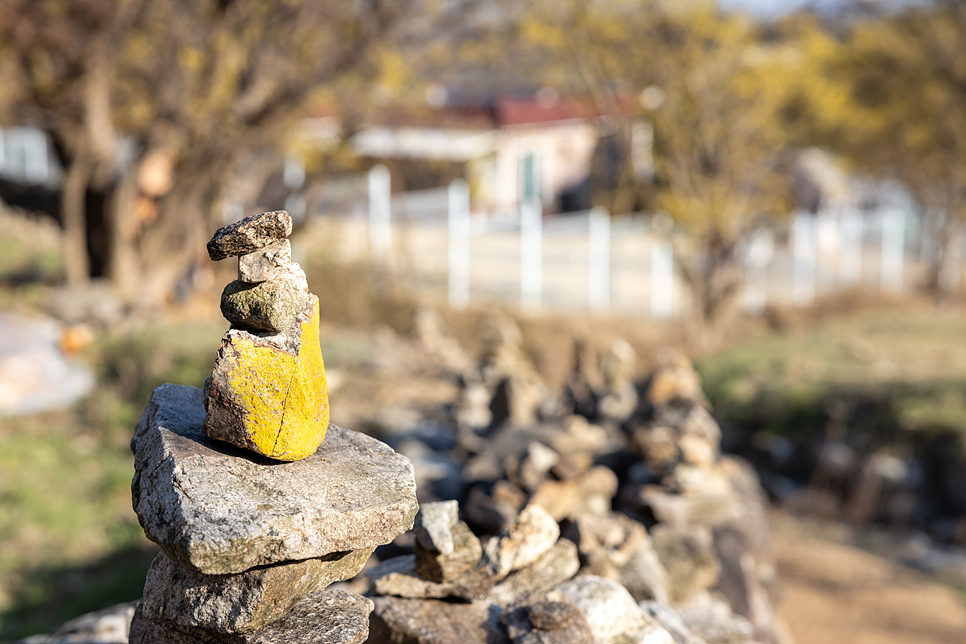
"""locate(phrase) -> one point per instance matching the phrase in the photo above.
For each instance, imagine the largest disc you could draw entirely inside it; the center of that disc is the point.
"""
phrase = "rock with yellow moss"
(267, 391)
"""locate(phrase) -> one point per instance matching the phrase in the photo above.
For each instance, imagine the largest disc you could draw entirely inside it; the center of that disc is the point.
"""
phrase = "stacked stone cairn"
(257, 502)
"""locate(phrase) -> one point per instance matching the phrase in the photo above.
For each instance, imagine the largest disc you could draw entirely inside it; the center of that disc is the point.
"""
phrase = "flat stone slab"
(240, 603)
(398, 577)
(217, 509)
(324, 617)
(432, 621)
(249, 234)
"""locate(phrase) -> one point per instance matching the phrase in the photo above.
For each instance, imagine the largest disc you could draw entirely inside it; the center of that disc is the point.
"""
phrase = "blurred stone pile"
(601, 513)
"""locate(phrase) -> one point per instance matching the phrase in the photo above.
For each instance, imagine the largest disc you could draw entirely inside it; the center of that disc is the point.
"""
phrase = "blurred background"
(777, 190)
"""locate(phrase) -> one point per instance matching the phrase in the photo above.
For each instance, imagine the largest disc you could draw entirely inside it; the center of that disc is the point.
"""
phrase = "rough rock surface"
(268, 394)
(416, 621)
(557, 565)
(612, 614)
(532, 534)
(689, 557)
(712, 619)
(590, 492)
(265, 263)
(217, 510)
(544, 620)
(434, 525)
(244, 602)
(671, 621)
(324, 617)
(272, 305)
(249, 234)
(464, 554)
(398, 577)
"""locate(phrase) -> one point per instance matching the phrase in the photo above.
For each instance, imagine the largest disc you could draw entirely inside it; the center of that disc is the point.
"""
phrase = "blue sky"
(778, 7)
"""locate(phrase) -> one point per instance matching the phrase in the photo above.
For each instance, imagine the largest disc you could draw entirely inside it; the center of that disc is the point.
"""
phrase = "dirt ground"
(833, 592)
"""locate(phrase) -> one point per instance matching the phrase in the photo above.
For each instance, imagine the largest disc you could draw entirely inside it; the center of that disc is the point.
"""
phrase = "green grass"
(891, 372)
(69, 540)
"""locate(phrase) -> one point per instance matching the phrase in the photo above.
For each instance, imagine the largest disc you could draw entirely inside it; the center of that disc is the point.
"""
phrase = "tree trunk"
(713, 279)
(73, 211)
(150, 258)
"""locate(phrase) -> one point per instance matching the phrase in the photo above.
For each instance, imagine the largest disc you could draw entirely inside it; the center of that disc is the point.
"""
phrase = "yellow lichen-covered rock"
(267, 391)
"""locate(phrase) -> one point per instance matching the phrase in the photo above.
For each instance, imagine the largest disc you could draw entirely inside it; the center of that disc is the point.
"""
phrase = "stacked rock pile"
(254, 517)
(626, 483)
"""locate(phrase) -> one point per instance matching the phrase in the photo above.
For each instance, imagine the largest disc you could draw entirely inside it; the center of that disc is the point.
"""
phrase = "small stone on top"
(265, 263)
(249, 234)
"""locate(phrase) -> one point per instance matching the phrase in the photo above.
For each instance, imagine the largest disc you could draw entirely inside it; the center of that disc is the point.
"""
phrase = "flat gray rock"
(543, 619)
(216, 509)
(265, 263)
(249, 234)
(398, 577)
(432, 621)
(324, 617)
(556, 566)
(244, 602)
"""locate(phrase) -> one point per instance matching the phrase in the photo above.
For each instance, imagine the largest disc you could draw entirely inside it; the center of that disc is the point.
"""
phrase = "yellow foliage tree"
(718, 94)
(906, 78)
(196, 84)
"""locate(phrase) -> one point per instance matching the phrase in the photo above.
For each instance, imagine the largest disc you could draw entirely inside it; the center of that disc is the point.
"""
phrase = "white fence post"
(458, 213)
(662, 278)
(803, 271)
(531, 253)
(758, 255)
(380, 214)
(950, 261)
(598, 264)
(850, 246)
(893, 248)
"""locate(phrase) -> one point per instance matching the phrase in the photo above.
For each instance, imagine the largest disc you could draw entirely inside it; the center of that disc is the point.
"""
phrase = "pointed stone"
(434, 525)
(244, 602)
(267, 393)
(249, 234)
(216, 509)
(465, 552)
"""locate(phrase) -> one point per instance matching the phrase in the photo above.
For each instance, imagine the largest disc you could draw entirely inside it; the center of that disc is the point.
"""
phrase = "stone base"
(218, 510)
(324, 617)
(241, 603)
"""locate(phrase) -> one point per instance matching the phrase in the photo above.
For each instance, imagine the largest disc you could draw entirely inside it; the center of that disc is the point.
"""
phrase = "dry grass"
(836, 592)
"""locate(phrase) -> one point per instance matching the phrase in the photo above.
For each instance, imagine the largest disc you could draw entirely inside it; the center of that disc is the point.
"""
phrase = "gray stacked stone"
(271, 290)
(249, 544)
